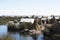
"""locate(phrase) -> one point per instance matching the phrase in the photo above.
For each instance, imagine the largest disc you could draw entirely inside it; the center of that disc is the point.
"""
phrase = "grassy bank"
(6, 37)
(4, 20)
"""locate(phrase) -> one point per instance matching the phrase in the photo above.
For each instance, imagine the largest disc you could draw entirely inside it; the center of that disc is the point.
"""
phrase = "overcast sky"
(29, 7)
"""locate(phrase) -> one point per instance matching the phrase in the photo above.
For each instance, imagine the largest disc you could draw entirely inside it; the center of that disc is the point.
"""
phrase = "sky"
(29, 7)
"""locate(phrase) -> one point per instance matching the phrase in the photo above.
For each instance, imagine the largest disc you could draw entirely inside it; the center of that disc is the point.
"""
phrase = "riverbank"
(4, 20)
(6, 37)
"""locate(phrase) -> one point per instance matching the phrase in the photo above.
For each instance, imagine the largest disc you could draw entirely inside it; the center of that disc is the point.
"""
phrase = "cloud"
(34, 11)
(16, 12)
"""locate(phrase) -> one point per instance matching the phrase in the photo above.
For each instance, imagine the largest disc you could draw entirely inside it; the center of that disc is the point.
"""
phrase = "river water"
(17, 35)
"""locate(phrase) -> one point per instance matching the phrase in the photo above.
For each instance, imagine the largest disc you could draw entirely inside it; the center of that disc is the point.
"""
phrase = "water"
(19, 36)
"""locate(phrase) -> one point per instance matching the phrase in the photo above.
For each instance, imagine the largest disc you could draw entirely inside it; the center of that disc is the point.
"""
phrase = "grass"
(5, 20)
(6, 37)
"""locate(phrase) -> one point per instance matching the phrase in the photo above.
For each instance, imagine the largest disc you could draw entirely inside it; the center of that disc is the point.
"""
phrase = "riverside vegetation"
(5, 19)
(50, 30)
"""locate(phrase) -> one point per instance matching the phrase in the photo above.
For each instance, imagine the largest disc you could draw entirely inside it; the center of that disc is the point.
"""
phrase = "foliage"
(4, 20)
(5, 37)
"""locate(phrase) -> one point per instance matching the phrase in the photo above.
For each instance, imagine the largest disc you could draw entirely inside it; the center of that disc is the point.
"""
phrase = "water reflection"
(18, 35)
(3, 30)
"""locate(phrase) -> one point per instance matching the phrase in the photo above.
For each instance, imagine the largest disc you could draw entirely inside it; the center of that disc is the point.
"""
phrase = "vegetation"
(5, 37)
(25, 26)
(4, 20)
